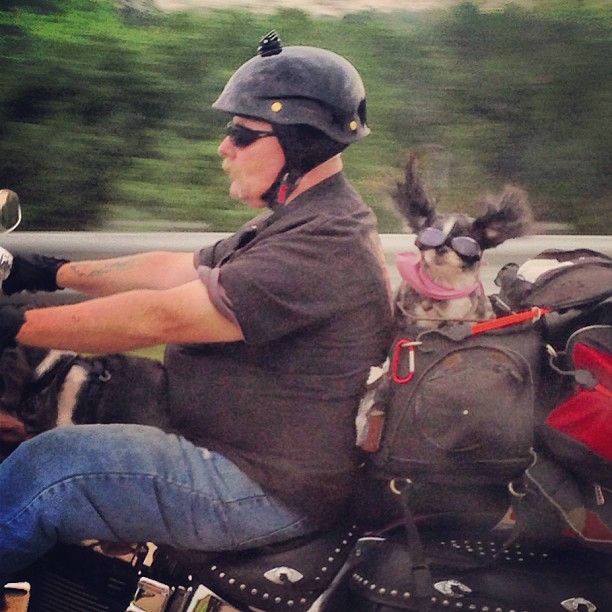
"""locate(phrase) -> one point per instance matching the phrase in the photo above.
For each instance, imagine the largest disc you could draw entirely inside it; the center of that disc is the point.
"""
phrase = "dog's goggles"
(432, 238)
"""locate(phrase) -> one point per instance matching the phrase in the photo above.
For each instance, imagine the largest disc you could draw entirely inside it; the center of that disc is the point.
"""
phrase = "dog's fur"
(41, 389)
(504, 216)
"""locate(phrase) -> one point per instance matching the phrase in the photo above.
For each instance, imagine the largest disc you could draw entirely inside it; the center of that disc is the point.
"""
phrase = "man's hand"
(11, 320)
(32, 273)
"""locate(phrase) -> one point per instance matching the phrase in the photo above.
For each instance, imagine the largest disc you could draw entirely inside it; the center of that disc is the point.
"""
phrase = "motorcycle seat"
(290, 575)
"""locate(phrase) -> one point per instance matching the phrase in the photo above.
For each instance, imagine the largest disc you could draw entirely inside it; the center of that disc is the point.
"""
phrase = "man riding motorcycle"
(270, 335)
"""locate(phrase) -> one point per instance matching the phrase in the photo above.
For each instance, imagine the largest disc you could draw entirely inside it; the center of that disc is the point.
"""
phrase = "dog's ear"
(506, 216)
(411, 199)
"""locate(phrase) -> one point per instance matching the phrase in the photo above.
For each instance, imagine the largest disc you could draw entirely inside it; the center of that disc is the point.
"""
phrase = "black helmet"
(299, 86)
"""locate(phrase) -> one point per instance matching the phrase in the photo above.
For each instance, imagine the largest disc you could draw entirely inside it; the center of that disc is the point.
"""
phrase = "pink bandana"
(410, 267)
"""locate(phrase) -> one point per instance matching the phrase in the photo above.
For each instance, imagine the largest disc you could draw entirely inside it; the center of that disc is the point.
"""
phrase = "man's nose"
(225, 147)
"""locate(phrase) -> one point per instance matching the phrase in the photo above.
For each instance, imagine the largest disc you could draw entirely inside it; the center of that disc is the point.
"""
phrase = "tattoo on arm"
(119, 265)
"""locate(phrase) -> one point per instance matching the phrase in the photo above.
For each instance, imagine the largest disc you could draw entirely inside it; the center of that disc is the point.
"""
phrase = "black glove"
(11, 320)
(32, 273)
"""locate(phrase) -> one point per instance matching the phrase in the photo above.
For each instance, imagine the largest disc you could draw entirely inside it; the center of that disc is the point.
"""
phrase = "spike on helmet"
(299, 86)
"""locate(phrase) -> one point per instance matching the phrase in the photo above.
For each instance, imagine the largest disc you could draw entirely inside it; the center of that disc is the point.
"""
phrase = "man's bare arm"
(154, 270)
(130, 320)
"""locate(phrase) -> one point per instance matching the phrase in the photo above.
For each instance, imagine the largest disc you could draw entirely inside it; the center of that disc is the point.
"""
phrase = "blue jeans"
(130, 483)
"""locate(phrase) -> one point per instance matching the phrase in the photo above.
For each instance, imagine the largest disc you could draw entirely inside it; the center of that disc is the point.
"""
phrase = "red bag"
(587, 416)
(567, 492)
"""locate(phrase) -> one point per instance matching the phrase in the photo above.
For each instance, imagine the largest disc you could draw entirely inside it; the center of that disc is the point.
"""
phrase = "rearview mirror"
(10, 210)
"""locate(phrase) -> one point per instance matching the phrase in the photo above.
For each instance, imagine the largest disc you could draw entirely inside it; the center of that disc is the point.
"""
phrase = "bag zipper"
(600, 499)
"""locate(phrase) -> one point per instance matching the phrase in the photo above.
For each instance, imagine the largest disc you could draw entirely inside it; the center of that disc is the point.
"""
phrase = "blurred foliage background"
(105, 118)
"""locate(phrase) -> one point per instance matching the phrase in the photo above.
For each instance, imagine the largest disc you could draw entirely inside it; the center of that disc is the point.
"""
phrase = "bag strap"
(403, 357)
(421, 574)
(533, 314)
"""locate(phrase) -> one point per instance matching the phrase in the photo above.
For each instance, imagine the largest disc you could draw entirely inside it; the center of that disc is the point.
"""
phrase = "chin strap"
(283, 186)
(287, 186)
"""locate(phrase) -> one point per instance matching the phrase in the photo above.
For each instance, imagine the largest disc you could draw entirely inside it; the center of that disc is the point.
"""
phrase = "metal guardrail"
(94, 245)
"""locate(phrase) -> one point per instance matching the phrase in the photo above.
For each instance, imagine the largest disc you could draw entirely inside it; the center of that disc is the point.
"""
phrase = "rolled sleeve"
(218, 296)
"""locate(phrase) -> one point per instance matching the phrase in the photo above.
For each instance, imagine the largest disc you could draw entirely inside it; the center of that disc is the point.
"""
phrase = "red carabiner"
(395, 362)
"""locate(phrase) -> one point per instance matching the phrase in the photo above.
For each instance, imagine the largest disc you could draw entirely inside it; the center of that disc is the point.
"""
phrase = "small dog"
(41, 389)
(441, 284)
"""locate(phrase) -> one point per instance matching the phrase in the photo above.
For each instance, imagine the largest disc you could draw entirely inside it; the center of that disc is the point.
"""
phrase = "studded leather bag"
(479, 572)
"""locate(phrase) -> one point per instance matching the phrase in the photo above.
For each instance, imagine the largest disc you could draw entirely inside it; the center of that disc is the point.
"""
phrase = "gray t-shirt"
(308, 286)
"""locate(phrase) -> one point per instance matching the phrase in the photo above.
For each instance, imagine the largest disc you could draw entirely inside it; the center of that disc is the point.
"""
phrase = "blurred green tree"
(105, 110)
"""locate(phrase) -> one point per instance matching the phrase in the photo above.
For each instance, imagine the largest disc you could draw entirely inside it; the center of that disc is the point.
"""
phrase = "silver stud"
(382, 590)
(277, 600)
(394, 593)
(232, 580)
(243, 587)
(253, 591)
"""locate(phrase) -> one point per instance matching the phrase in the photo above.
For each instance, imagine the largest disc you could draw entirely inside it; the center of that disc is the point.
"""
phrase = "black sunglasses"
(432, 238)
(242, 136)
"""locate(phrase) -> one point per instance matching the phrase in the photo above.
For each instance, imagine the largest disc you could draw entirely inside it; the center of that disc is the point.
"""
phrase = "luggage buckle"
(404, 343)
